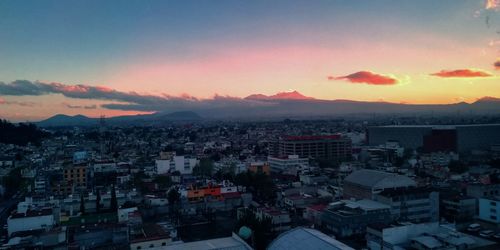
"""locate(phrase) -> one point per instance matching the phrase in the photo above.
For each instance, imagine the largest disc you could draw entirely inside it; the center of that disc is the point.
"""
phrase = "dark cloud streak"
(126, 100)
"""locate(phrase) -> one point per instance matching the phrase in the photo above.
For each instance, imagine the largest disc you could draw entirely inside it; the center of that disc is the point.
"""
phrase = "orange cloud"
(462, 73)
(492, 4)
(367, 77)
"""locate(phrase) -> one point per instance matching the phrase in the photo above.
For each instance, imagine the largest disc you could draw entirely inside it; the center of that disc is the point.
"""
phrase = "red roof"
(318, 207)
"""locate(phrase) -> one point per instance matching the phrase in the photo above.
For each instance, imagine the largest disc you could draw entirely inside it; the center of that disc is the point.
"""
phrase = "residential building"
(259, 167)
(75, 177)
(481, 190)
(489, 209)
(430, 235)
(411, 203)
(286, 163)
(333, 147)
(31, 219)
(347, 217)
(182, 164)
(458, 208)
(149, 236)
(280, 219)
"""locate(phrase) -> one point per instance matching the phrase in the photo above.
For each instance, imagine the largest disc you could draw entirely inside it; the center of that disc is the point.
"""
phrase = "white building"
(30, 220)
(280, 164)
(489, 209)
(104, 166)
(182, 164)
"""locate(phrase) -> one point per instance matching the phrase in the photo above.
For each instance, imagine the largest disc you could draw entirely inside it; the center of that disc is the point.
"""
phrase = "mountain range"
(283, 105)
(151, 119)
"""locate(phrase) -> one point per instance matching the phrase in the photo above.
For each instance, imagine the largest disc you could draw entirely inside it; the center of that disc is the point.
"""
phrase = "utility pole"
(102, 127)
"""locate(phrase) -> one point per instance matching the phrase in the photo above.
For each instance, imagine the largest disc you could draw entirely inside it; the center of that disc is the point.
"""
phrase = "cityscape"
(250, 125)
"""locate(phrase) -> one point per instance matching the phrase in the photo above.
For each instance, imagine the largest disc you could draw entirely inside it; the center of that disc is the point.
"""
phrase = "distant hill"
(283, 105)
(61, 120)
(66, 120)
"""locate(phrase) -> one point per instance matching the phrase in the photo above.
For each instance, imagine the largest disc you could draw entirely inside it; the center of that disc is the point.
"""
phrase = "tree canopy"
(20, 134)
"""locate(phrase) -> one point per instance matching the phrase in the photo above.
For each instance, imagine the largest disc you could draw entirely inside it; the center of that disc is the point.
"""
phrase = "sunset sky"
(119, 52)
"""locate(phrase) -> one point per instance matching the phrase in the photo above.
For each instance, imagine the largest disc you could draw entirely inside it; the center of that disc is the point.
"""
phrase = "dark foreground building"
(433, 138)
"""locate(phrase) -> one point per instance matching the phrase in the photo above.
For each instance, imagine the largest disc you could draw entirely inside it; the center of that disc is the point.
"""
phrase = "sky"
(125, 57)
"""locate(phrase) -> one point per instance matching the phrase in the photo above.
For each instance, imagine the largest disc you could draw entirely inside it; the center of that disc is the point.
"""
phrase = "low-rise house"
(149, 236)
(283, 164)
(348, 217)
(411, 204)
(31, 219)
(280, 219)
(313, 213)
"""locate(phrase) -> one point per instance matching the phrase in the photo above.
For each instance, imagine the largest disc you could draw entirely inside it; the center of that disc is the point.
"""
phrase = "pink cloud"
(367, 77)
(23, 104)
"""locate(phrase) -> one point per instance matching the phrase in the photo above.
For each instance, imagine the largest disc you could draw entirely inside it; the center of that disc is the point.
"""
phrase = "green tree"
(114, 201)
(13, 181)
(163, 181)
(204, 168)
(457, 167)
(261, 184)
(173, 197)
(262, 233)
(98, 201)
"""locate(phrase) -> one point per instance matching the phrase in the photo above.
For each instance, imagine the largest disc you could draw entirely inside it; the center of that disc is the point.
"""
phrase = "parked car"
(474, 227)
(486, 233)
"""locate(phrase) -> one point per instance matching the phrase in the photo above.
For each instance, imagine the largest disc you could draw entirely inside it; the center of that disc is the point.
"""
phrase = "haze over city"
(135, 57)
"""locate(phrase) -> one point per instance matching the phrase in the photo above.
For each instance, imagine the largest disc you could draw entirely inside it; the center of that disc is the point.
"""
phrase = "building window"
(164, 243)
